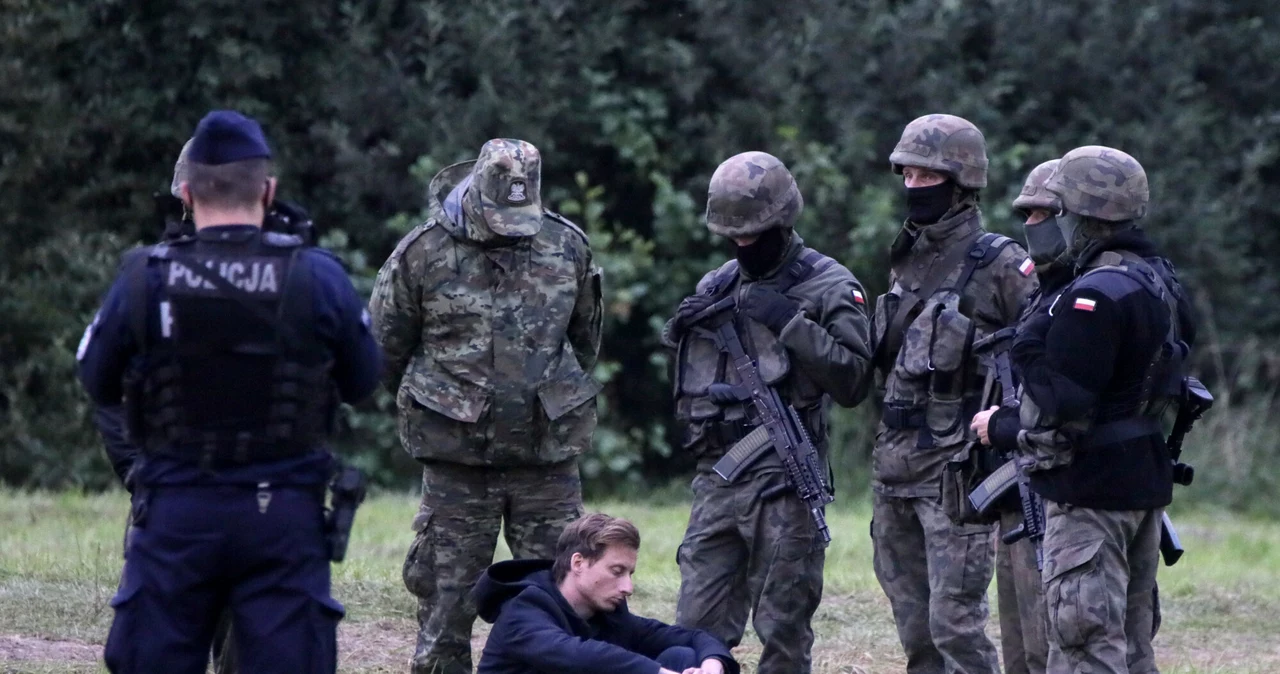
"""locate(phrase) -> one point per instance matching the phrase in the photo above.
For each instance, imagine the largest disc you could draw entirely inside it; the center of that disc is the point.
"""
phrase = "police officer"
(751, 546)
(490, 315)
(1023, 619)
(951, 283)
(1096, 368)
(235, 347)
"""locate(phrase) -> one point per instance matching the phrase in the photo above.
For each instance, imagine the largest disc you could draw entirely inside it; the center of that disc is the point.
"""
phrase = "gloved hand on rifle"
(770, 307)
(689, 307)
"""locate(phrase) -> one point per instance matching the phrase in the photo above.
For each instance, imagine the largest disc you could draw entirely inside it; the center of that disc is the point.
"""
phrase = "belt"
(904, 416)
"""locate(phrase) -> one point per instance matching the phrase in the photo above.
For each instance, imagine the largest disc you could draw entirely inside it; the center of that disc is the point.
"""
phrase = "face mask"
(763, 254)
(1069, 224)
(927, 205)
(1044, 241)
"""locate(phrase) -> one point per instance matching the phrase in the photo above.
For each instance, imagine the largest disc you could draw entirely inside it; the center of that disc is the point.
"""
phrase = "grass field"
(60, 560)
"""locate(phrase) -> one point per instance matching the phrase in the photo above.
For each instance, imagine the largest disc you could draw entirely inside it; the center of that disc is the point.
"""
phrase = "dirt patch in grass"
(17, 648)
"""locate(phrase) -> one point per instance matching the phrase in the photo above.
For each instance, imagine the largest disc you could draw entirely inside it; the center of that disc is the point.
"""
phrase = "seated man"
(571, 616)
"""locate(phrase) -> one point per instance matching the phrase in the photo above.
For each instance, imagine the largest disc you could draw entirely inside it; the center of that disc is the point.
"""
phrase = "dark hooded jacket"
(535, 630)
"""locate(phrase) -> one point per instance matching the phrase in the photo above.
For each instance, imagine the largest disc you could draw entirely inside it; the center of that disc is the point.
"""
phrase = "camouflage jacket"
(820, 355)
(935, 380)
(489, 350)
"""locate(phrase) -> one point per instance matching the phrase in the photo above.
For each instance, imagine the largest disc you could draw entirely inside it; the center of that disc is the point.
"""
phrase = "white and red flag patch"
(858, 297)
(1026, 267)
(1085, 304)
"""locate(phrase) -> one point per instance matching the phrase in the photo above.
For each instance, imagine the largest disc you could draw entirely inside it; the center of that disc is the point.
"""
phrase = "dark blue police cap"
(224, 136)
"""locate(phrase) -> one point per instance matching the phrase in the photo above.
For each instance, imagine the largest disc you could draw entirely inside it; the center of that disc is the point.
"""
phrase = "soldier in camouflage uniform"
(751, 546)
(1097, 369)
(1023, 619)
(950, 284)
(489, 314)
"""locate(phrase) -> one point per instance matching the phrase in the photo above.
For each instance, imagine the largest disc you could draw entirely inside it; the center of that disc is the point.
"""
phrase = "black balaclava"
(1044, 241)
(927, 205)
(762, 255)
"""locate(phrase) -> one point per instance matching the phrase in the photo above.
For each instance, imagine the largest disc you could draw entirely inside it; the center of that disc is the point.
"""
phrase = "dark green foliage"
(633, 105)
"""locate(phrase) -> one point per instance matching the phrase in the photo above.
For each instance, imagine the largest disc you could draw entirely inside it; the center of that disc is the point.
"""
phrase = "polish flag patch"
(1085, 305)
(858, 298)
(1026, 267)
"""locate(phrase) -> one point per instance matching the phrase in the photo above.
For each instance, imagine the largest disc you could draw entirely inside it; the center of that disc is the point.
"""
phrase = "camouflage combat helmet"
(750, 193)
(1102, 183)
(946, 144)
(1034, 195)
(180, 171)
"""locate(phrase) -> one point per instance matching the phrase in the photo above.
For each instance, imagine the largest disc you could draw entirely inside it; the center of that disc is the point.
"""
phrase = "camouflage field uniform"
(1100, 563)
(489, 314)
(936, 572)
(751, 548)
(1024, 638)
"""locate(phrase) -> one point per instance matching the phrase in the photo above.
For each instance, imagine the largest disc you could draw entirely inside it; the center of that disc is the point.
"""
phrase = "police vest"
(234, 371)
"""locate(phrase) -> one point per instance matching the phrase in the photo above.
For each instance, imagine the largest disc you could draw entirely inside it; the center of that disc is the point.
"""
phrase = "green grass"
(60, 560)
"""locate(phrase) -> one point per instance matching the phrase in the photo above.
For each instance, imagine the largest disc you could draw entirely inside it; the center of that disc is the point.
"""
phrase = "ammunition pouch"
(964, 472)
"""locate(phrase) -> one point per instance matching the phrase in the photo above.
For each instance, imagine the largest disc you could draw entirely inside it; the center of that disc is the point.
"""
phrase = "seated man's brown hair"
(589, 536)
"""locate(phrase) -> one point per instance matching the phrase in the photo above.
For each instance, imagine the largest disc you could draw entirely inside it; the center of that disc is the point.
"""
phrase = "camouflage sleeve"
(1014, 280)
(396, 311)
(831, 340)
(587, 322)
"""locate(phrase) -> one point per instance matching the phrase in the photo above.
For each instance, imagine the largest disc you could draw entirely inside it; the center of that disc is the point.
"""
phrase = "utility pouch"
(961, 476)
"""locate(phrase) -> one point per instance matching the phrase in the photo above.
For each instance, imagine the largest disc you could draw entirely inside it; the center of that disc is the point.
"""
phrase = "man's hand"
(770, 307)
(709, 666)
(981, 424)
(689, 307)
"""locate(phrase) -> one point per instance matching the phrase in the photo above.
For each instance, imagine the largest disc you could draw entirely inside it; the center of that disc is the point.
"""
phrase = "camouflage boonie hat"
(750, 193)
(508, 178)
(946, 144)
(1034, 195)
(180, 171)
(1101, 182)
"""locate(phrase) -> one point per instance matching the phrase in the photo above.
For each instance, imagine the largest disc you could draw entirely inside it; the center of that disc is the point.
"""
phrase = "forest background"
(633, 105)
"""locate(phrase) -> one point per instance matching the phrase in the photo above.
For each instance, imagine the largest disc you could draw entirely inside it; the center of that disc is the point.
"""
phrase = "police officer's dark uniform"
(237, 347)
(1097, 367)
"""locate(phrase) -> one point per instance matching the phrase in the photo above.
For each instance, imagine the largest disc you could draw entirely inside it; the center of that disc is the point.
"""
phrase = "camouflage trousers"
(936, 575)
(744, 554)
(1099, 577)
(463, 508)
(1024, 622)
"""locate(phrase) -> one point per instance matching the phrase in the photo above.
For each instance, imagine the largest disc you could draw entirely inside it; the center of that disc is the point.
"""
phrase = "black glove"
(726, 394)
(689, 307)
(770, 307)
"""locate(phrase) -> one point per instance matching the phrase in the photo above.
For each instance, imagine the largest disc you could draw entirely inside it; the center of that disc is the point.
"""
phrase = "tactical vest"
(926, 335)
(700, 363)
(1117, 416)
(234, 371)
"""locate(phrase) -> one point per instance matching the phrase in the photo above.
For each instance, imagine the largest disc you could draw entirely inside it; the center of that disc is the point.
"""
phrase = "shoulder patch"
(567, 223)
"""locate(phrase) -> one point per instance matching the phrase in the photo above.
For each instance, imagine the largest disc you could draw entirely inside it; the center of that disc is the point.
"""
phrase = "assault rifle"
(1192, 404)
(779, 425)
(993, 351)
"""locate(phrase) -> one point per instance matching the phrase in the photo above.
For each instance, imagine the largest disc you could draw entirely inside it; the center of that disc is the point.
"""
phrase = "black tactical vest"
(234, 371)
